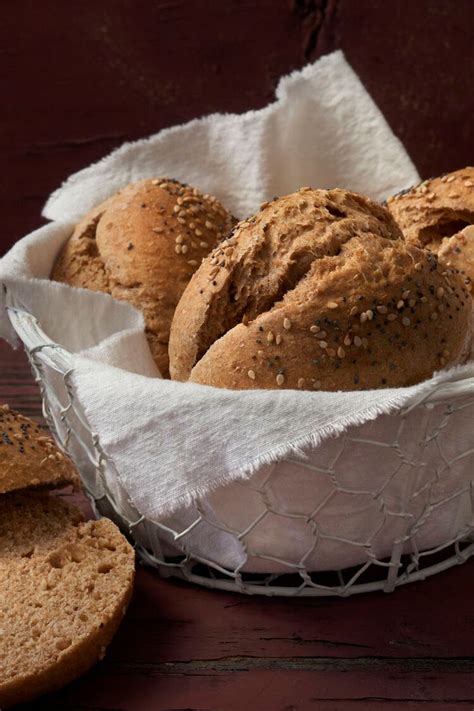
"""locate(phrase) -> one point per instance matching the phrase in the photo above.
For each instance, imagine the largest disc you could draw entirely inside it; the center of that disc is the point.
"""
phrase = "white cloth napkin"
(172, 441)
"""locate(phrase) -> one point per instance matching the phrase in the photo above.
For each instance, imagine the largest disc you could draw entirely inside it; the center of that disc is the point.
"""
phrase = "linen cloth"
(172, 442)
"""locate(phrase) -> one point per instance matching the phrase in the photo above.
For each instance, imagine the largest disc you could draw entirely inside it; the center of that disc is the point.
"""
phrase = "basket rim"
(31, 333)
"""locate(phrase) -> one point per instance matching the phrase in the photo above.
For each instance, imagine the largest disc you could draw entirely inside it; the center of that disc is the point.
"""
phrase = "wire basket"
(417, 521)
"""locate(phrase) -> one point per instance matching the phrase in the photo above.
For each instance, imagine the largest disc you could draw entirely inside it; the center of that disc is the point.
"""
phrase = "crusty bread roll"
(28, 456)
(64, 588)
(142, 245)
(439, 214)
(319, 291)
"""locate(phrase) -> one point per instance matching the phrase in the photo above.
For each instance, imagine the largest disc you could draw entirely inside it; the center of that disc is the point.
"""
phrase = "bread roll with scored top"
(319, 291)
(439, 214)
(64, 588)
(29, 458)
(142, 245)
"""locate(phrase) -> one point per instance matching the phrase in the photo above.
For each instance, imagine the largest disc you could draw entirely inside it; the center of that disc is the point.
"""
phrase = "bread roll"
(319, 291)
(142, 245)
(28, 456)
(439, 215)
(64, 588)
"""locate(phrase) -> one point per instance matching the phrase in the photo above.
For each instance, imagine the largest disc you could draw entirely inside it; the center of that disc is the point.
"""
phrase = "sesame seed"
(347, 341)
(301, 382)
(321, 334)
(203, 244)
(400, 304)
(163, 186)
(181, 220)
(179, 239)
(450, 179)
(331, 352)
(251, 374)
(155, 182)
(406, 321)
(278, 339)
(314, 329)
(209, 225)
(316, 384)
(418, 266)
(280, 379)
(424, 299)
(270, 337)
(354, 311)
(332, 305)
(439, 292)
(469, 184)
(177, 249)
(434, 316)
(363, 317)
(357, 341)
(192, 225)
(198, 233)
(184, 248)
(180, 201)
(392, 317)
(323, 344)
(341, 352)
(286, 324)
(370, 314)
(6, 408)
(157, 229)
(192, 263)
(382, 309)
(406, 294)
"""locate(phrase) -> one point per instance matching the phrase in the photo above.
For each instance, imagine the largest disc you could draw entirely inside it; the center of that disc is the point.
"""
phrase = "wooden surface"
(77, 83)
(182, 647)
(79, 79)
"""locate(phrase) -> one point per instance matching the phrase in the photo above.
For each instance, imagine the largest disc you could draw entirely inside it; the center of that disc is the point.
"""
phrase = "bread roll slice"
(29, 458)
(64, 587)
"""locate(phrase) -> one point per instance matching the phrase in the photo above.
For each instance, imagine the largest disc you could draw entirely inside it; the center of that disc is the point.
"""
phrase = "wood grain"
(76, 84)
(182, 647)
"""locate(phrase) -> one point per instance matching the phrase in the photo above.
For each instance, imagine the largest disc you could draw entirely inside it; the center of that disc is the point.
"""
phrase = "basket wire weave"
(164, 547)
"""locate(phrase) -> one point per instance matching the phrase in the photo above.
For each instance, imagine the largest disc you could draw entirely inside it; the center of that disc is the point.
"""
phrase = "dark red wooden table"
(78, 79)
(182, 647)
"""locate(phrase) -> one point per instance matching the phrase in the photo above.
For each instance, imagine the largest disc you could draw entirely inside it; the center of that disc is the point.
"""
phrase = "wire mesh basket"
(296, 513)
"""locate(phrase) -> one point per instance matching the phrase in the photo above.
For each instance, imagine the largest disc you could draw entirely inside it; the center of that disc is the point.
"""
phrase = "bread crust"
(28, 456)
(438, 214)
(319, 291)
(47, 565)
(142, 246)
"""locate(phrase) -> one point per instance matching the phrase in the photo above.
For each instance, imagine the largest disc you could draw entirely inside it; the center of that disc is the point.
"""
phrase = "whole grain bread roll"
(439, 214)
(319, 291)
(142, 245)
(64, 588)
(28, 456)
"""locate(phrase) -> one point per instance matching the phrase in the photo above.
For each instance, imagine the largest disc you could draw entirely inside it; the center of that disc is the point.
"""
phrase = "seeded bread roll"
(28, 457)
(64, 588)
(439, 215)
(142, 245)
(319, 291)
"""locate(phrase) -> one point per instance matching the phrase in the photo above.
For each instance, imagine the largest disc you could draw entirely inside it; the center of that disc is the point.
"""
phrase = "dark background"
(79, 78)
